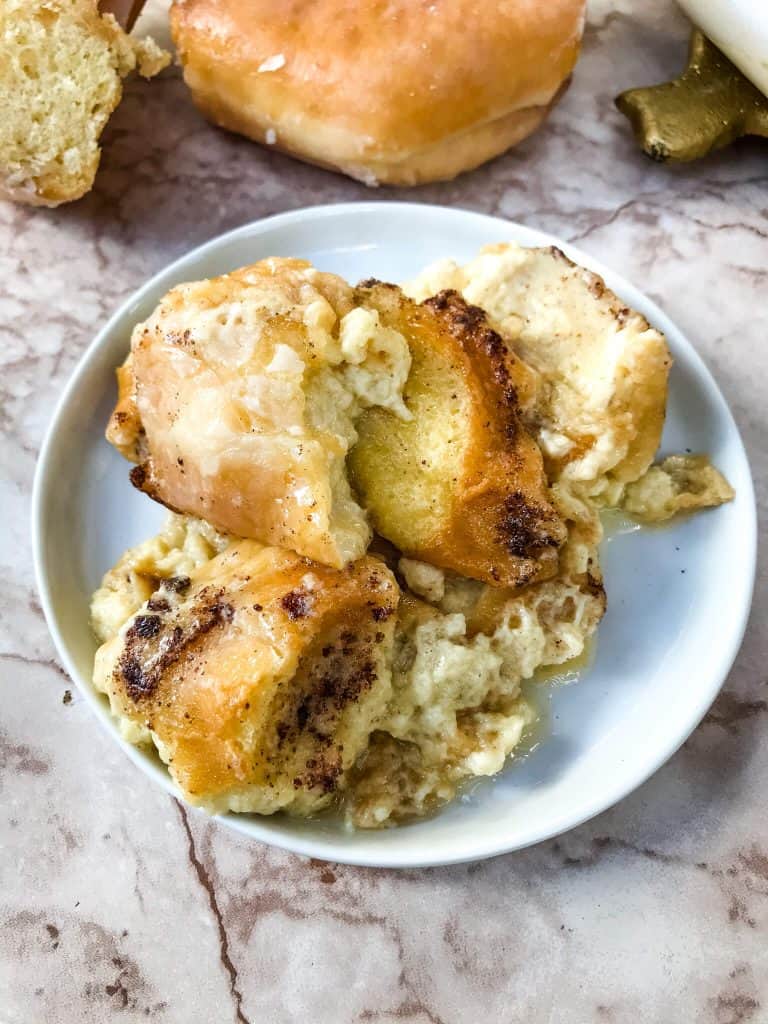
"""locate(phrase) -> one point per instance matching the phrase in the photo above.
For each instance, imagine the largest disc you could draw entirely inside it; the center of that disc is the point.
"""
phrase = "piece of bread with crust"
(239, 398)
(461, 483)
(395, 93)
(246, 722)
(62, 64)
(600, 409)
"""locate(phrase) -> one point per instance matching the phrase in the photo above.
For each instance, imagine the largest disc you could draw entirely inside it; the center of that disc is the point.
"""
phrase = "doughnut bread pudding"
(258, 676)
(62, 64)
(385, 521)
(397, 93)
(239, 399)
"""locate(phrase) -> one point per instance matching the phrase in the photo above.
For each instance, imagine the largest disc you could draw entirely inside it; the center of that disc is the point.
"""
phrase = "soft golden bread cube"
(600, 410)
(259, 676)
(61, 71)
(239, 400)
(461, 483)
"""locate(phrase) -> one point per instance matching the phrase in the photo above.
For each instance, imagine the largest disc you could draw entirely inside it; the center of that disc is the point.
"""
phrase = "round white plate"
(664, 648)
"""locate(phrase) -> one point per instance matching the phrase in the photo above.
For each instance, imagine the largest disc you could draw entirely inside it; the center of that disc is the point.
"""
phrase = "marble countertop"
(115, 903)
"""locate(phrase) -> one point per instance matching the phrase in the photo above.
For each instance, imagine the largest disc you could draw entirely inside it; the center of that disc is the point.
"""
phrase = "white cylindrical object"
(740, 29)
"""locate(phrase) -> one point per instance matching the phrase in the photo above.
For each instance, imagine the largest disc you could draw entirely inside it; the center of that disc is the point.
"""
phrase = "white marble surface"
(114, 902)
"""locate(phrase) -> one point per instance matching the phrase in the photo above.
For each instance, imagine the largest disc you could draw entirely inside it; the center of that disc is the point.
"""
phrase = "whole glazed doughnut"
(395, 92)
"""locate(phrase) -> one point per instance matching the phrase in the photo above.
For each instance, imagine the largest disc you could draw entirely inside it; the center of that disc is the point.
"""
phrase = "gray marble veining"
(115, 902)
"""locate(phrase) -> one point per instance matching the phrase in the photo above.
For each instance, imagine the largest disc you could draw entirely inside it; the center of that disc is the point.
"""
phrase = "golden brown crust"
(497, 522)
(502, 501)
(397, 93)
(232, 710)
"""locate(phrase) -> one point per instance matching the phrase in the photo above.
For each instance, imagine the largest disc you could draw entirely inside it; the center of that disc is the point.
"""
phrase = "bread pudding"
(385, 519)
(239, 398)
(257, 676)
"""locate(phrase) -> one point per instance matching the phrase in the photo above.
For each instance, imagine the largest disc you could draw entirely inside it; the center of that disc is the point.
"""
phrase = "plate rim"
(322, 847)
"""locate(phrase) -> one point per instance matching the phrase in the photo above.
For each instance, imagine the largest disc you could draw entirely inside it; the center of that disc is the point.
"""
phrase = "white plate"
(675, 618)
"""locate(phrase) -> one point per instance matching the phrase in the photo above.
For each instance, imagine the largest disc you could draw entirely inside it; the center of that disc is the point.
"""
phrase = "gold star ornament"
(709, 106)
